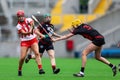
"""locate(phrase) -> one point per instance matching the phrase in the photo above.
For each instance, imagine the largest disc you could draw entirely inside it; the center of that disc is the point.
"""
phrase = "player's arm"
(30, 31)
(56, 35)
(63, 37)
(39, 34)
(21, 31)
(31, 24)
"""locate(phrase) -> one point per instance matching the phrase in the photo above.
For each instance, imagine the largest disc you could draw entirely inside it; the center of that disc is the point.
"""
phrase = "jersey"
(26, 27)
(89, 33)
(50, 30)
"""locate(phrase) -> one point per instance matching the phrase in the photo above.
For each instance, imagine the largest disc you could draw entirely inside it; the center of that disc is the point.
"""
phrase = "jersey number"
(87, 27)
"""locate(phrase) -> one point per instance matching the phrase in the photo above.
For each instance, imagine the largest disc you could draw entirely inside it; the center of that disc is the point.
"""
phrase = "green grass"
(94, 70)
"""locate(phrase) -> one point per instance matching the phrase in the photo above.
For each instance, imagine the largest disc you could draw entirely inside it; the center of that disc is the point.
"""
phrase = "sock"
(111, 65)
(20, 68)
(39, 67)
(53, 67)
(82, 69)
(29, 56)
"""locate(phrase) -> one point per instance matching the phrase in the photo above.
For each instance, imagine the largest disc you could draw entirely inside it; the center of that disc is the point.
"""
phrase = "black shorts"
(43, 47)
(99, 42)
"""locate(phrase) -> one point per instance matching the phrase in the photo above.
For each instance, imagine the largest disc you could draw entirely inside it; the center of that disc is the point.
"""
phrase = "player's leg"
(102, 59)
(21, 60)
(85, 52)
(119, 67)
(51, 54)
(29, 56)
(41, 48)
(41, 51)
(32, 56)
(35, 49)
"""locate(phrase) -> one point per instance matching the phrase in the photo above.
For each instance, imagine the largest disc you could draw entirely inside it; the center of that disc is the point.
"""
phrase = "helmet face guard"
(47, 15)
(47, 18)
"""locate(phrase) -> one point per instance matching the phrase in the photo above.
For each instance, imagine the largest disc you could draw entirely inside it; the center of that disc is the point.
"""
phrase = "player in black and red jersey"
(97, 39)
(46, 43)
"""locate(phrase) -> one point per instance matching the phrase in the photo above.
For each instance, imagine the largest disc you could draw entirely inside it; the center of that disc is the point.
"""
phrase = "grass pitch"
(94, 70)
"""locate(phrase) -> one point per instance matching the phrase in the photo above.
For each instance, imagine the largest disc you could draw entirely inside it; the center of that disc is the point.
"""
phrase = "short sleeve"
(75, 31)
(18, 27)
(29, 20)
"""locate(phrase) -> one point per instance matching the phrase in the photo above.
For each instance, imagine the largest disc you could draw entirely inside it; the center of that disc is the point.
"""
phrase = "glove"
(46, 36)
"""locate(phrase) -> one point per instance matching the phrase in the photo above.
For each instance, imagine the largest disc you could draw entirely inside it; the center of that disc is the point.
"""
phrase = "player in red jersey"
(28, 39)
(97, 39)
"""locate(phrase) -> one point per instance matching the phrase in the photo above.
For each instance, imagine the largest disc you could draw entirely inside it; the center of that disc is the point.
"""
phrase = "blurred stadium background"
(104, 15)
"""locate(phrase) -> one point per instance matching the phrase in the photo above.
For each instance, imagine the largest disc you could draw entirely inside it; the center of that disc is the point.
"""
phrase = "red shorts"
(28, 43)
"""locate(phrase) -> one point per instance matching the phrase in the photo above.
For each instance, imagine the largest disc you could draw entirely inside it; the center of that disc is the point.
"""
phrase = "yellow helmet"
(76, 22)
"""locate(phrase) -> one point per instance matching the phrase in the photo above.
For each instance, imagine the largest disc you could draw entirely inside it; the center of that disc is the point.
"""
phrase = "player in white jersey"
(28, 39)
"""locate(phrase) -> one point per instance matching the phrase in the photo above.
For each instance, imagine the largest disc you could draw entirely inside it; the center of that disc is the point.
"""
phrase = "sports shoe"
(119, 67)
(78, 75)
(19, 73)
(41, 71)
(55, 71)
(114, 69)
(27, 58)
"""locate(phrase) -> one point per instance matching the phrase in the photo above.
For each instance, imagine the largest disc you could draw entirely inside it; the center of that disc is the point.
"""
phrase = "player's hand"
(43, 36)
(53, 39)
(70, 30)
